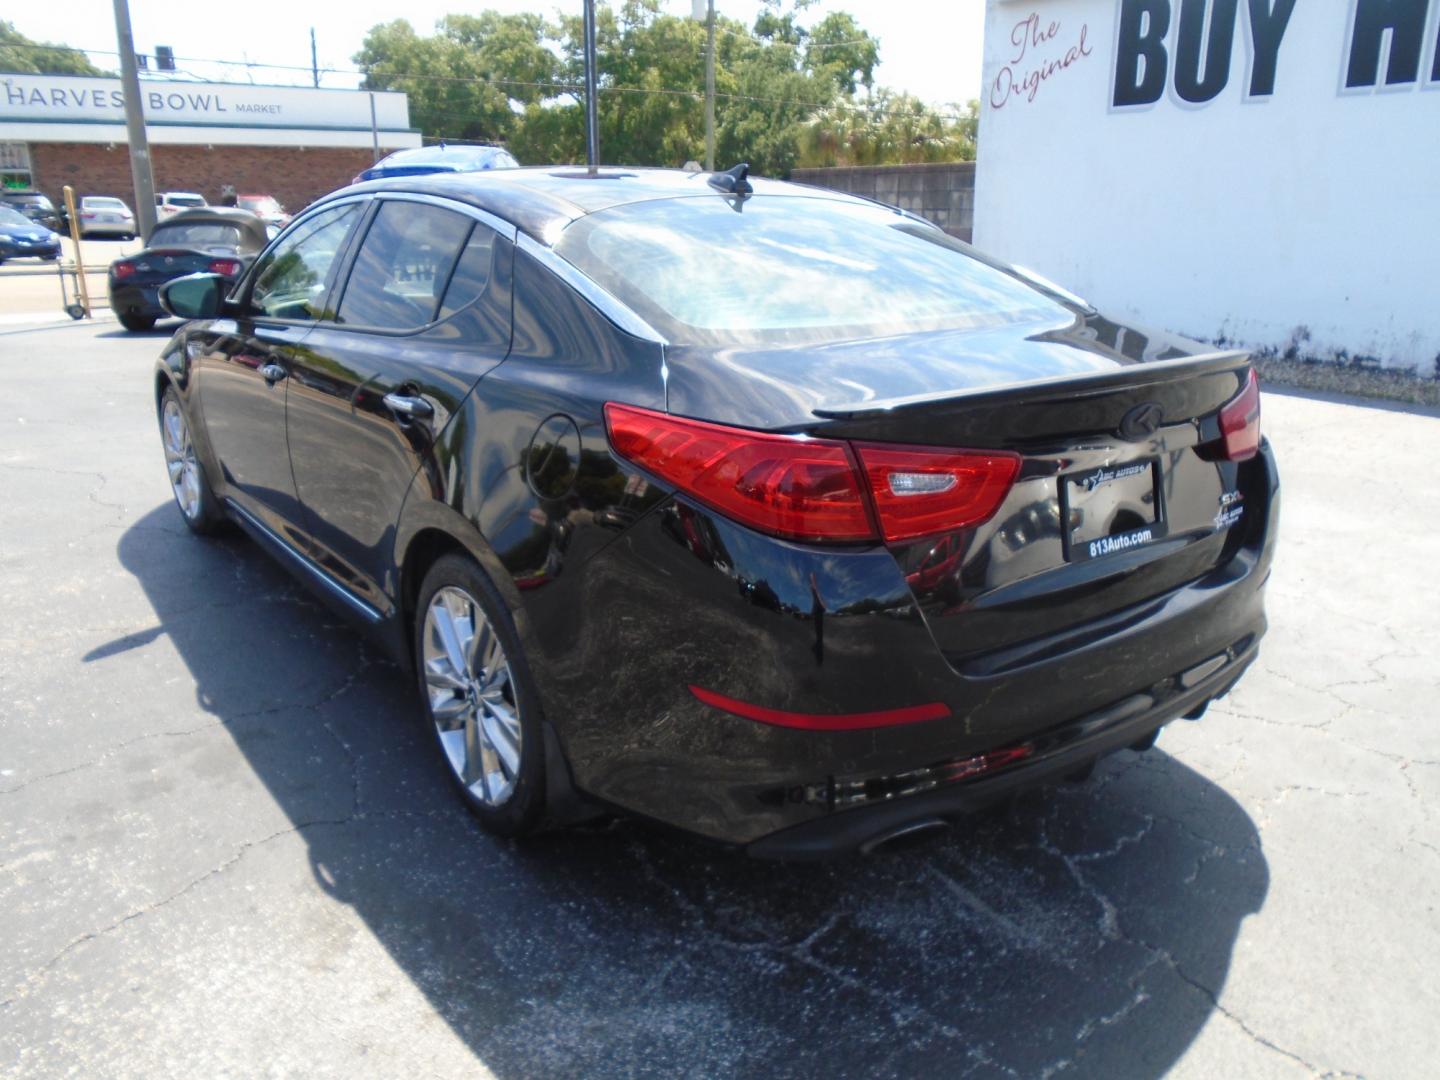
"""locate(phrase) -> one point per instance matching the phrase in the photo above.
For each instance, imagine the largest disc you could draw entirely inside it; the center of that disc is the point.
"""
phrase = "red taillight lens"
(228, 267)
(1240, 422)
(815, 489)
(923, 491)
(122, 270)
(804, 489)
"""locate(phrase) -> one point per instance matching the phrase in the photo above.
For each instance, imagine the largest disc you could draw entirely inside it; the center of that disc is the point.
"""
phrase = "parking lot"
(226, 850)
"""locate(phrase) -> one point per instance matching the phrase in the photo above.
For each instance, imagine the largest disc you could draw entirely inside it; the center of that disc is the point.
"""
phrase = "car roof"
(439, 155)
(541, 200)
(251, 223)
(182, 194)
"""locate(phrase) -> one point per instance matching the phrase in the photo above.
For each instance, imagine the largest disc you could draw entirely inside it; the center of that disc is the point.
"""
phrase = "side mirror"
(194, 296)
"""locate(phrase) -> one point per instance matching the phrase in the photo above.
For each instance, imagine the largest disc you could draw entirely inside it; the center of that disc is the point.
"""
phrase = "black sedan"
(760, 510)
(21, 238)
(213, 240)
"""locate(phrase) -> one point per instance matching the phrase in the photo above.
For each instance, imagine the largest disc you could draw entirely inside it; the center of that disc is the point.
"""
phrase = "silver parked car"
(104, 215)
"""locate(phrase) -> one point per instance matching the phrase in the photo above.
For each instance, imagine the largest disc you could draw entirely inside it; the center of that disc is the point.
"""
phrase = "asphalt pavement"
(225, 847)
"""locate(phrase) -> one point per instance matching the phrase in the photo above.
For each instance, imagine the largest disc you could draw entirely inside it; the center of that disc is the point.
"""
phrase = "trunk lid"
(1118, 500)
(161, 264)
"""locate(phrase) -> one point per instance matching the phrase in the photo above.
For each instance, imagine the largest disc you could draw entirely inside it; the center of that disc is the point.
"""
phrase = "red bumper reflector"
(911, 714)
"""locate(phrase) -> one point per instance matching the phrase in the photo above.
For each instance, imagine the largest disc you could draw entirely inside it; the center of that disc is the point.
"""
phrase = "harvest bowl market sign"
(1258, 172)
(51, 99)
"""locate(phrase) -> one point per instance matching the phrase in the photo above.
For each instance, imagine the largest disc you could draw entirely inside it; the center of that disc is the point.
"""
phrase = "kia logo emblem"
(1141, 422)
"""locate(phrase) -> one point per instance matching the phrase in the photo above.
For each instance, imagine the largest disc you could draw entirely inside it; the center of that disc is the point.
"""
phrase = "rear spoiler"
(1134, 376)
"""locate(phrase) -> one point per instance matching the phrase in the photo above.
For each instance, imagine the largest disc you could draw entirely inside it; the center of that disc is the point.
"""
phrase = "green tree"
(19, 55)
(839, 51)
(786, 94)
(886, 128)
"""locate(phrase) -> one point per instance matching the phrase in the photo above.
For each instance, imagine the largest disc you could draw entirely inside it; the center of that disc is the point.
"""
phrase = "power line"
(563, 87)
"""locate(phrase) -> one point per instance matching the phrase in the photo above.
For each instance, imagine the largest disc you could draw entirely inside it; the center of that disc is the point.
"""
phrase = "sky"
(930, 48)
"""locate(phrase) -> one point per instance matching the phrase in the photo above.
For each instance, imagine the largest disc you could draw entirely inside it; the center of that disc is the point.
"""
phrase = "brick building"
(290, 142)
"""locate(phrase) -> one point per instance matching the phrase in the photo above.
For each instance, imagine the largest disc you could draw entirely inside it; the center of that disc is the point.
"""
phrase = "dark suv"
(35, 206)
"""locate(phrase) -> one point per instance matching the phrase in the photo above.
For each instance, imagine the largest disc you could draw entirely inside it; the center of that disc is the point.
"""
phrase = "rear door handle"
(408, 406)
(273, 373)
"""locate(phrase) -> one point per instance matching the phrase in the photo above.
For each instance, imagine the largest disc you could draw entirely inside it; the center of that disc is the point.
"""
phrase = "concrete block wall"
(294, 176)
(943, 193)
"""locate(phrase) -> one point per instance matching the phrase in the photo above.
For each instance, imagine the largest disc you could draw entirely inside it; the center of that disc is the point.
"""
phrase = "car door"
(244, 364)
(423, 313)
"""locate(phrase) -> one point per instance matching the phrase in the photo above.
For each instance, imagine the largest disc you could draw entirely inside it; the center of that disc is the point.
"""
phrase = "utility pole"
(314, 64)
(141, 174)
(374, 131)
(592, 111)
(710, 89)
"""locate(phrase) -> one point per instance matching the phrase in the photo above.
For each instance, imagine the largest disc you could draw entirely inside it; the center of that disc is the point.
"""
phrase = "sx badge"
(1231, 507)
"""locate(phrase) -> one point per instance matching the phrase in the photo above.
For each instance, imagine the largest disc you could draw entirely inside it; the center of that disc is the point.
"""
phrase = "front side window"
(778, 270)
(403, 265)
(292, 277)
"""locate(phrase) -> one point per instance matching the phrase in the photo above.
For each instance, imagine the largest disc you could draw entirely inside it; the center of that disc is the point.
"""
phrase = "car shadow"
(1088, 926)
(165, 329)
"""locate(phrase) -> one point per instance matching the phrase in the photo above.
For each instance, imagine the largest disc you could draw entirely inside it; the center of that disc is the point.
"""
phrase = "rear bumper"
(682, 599)
(136, 300)
(108, 228)
(1058, 751)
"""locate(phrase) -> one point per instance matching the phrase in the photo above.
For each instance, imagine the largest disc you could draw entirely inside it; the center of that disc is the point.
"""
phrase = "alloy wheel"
(180, 460)
(472, 696)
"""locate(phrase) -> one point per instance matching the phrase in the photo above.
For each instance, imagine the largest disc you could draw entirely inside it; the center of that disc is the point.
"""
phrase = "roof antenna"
(733, 181)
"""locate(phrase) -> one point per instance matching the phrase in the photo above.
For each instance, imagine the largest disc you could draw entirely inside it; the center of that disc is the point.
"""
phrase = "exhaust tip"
(908, 835)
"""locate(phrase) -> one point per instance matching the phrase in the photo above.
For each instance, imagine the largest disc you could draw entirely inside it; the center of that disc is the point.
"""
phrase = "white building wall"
(1308, 217)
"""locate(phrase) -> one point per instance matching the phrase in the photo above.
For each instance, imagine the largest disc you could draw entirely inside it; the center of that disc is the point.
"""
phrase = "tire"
(137, 324)
(485, 722)
(198, 507)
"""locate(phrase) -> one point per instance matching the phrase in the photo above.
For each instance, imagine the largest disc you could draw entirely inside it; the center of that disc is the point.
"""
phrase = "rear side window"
(472, 272)
(403, 265)
(293, 275)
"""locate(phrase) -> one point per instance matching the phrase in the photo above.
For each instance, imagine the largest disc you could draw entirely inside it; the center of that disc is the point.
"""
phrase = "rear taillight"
(122, 270)
(228, 267)
(815, 489)
(921, 491)
(804, 489)
(1240, 422)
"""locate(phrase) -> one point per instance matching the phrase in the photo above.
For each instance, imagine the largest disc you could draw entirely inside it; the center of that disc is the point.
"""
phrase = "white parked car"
(104, 215)
(170, 203)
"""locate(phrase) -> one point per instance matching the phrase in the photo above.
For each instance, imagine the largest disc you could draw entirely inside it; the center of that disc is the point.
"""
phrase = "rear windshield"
(196, 234)
(776, 270)
(185, 200)
(103, 202)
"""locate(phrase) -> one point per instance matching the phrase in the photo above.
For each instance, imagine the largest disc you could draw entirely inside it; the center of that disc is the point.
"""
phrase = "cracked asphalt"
(225, 850)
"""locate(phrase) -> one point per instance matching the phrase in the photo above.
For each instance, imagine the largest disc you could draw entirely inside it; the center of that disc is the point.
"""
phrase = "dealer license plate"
(1111, 509)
